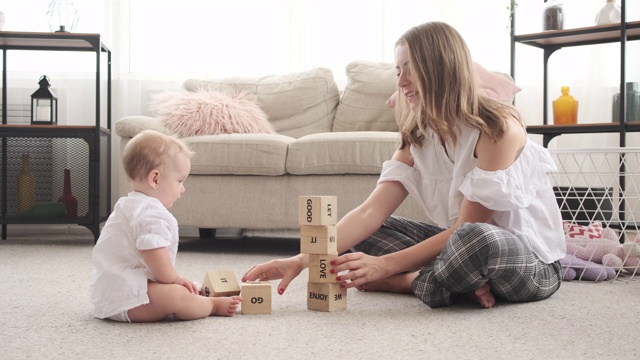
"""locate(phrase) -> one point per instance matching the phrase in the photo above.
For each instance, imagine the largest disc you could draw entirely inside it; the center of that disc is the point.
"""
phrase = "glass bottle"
(565, 108)
(609, 14)
(632, 103)
(26, 186)
(68, 199)
(553, 15)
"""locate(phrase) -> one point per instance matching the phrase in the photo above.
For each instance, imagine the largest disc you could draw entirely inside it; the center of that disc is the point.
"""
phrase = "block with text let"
(319, 266)
(220, 283)
(317, 210)
(256, 298)
(326, 297)
(318, 239)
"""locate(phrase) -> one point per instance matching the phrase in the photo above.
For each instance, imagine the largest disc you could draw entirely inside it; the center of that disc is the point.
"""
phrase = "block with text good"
(318, 239)
(326, 297)
(220, 283)
(317, 210)
(256, 297)
(319, 265)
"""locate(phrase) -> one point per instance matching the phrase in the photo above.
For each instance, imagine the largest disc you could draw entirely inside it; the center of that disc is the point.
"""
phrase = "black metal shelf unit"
(83, 150)
(551, 41)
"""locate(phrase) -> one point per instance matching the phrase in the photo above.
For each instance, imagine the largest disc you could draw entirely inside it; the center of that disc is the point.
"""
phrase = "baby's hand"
(190, 285)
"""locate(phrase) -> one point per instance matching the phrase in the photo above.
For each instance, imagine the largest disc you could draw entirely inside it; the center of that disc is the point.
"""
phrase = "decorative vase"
(68, 199)
(62, 16)
(565, 108)
(26, 186)
(609, 14)
(553, 15)
(632, 103)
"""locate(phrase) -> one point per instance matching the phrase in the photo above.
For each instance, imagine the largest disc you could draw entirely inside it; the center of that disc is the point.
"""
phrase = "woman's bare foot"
(482, 296)
(226, 306)
(399, 283)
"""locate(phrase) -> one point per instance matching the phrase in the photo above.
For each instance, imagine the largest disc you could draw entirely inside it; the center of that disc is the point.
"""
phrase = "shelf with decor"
(593, 186)
(552, 41)
(56, 174)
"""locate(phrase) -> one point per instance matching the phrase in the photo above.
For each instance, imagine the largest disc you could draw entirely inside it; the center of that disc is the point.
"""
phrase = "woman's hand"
(285, 269)
(360, 269)
(190, 285)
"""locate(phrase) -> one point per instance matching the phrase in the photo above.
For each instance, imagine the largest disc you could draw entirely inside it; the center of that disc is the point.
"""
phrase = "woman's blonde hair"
(150, 150)
(443, 73)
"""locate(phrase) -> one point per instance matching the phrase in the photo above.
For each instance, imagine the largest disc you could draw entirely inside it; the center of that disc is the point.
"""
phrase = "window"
(220, 38)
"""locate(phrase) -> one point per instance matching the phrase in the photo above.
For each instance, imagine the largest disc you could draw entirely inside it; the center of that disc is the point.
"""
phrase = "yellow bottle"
(565, 108)
(26, 186)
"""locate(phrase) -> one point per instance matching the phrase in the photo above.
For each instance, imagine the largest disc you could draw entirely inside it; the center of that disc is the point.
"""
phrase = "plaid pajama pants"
(474, 255)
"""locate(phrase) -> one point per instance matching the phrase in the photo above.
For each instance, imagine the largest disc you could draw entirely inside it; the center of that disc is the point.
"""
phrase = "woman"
(466, 159)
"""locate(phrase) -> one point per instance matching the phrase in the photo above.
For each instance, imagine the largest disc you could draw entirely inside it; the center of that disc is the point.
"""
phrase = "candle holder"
(44, 104)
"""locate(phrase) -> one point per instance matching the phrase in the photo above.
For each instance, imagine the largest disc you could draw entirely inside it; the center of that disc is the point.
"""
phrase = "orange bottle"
(565, 108)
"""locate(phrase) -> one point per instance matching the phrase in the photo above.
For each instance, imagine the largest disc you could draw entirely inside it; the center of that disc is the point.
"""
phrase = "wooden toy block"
(317, 210)
(318, 239)
(326, 297)
(319, 265)
(220, 283)
(256, 298)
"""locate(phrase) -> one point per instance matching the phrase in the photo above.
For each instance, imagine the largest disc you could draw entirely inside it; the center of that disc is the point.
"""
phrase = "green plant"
(513, 4)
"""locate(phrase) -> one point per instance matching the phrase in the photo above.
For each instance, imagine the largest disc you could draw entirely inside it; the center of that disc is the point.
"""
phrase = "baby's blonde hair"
(150, 150)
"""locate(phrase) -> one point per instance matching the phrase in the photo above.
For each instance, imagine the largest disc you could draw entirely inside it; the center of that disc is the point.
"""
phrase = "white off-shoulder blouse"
(521, 195)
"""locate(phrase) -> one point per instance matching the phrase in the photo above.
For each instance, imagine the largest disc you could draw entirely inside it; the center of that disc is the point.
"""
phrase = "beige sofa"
(327, 143)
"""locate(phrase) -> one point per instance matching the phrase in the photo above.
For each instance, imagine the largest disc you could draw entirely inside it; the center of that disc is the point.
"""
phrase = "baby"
(134, 278)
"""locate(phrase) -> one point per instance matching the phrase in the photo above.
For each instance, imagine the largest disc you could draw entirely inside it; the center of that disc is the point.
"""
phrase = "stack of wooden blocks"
(317, 217)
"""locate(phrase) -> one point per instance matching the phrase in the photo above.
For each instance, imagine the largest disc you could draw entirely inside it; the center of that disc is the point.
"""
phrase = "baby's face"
(171, 179)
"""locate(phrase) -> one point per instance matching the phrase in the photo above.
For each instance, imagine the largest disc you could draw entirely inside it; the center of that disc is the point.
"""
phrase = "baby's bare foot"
(399, 283)
(483, 296)
(226, 306)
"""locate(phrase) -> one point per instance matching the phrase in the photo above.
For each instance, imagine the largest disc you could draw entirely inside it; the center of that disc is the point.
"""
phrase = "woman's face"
(405, 78)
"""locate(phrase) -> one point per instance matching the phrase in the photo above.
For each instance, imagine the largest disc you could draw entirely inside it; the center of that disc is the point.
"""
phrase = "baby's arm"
(159, 263)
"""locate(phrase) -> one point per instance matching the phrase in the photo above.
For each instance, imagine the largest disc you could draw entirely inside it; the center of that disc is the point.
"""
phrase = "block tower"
(317, 217)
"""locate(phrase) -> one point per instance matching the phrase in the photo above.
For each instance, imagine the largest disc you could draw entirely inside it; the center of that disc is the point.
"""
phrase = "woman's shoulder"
(404, 155)
(498, 155)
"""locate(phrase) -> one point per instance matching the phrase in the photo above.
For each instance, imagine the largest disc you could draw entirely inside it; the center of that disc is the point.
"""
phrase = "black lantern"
(44, 104)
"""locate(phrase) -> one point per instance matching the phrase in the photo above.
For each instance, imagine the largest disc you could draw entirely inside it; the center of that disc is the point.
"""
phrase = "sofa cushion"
(224, 154)
(297, 104)
(367, 102)
(362, 106)
(239, 154)
(341, 153)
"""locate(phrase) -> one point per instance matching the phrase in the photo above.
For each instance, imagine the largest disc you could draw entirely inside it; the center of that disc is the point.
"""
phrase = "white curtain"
(157, 44)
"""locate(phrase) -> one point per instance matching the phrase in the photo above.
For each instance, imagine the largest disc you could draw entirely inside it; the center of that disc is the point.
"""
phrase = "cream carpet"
(46, 314)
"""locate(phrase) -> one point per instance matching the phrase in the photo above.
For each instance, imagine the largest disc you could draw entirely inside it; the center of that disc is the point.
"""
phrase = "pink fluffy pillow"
(191, 113)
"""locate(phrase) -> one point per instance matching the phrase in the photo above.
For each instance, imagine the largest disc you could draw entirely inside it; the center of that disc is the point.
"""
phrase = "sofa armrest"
(130, 126)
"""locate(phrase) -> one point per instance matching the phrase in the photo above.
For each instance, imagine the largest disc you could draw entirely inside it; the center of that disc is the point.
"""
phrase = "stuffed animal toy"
(594, 253)
(576, 268)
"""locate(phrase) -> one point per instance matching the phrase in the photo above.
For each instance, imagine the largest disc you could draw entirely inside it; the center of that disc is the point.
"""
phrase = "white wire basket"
(598, 194)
